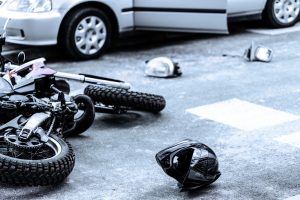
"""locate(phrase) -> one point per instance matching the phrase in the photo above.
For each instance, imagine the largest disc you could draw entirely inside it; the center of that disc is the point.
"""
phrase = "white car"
(85, 28)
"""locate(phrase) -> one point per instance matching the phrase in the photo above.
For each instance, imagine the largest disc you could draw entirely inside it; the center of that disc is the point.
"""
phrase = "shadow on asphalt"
(40, 191)
(127, 120)
(200, 192)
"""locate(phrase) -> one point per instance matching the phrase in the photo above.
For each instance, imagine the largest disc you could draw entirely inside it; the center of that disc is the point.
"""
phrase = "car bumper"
(32, 28)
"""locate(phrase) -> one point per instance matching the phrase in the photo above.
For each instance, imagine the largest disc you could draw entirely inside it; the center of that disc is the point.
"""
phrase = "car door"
(181, 15)
(240, 7)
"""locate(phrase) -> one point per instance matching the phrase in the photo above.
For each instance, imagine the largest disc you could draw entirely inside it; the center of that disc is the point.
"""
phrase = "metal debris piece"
(258, 53)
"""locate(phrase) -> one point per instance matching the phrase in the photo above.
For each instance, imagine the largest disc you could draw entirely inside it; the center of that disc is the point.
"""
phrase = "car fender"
(124, 19)
(238, 6)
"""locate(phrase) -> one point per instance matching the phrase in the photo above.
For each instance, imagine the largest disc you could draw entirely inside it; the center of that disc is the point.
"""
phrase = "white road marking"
(297, 197)
(291, 139)
(266, 31)
(242, 114)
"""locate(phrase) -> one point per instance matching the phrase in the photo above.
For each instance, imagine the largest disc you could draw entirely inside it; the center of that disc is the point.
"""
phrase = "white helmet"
(162, 67)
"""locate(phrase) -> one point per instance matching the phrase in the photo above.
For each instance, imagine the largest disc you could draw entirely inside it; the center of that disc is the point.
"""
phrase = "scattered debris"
(258, 53)
(193, 164)
(254, 53)
(231, 55)
(162, 67)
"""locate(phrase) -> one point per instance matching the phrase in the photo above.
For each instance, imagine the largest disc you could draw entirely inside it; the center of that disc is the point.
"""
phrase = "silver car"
(85, 28)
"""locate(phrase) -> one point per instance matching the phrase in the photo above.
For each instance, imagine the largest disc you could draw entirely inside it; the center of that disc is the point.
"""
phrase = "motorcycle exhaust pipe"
(91, 80)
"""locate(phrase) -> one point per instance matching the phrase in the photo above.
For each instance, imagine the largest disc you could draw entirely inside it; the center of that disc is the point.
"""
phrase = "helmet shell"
(191, 163)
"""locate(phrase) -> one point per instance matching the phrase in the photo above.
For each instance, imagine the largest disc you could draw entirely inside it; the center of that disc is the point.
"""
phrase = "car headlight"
(29, 5)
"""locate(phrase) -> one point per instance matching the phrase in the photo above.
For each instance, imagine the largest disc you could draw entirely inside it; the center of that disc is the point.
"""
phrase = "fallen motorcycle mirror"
(162, 67)
(193, 164)
(258, 53)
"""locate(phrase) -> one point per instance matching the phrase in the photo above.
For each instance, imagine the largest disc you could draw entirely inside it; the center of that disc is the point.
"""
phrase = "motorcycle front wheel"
(48, 164)
(126, 99)
(84, 117)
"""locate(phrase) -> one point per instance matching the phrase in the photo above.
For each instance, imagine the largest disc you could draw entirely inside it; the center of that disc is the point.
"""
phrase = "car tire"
(281, 13)
(85, 34)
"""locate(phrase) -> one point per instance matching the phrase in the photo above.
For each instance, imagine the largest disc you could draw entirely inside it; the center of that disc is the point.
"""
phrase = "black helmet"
(191, 163)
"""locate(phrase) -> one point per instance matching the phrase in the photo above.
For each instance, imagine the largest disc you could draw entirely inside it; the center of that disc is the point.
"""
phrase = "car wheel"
(282, 13)
(85, 33)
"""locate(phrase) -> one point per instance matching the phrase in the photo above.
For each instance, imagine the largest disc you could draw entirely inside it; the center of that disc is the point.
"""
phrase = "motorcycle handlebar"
(90, 80)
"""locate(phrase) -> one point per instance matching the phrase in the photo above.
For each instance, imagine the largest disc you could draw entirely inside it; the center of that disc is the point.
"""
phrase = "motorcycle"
(36, 114)
(32, 149)
(108, 95)
(22, 76)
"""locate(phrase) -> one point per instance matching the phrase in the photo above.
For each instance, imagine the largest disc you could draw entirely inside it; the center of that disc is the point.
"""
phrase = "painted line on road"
(297, 197)
(280, 31)
(292, 139)
(242, 114)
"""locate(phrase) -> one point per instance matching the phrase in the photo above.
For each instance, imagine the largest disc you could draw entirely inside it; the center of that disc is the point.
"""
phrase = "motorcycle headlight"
(29, 5)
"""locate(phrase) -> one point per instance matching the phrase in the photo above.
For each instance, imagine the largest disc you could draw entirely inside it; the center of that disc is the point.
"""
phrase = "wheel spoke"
(95, 45)
(93, 22)
(83, 25)
(88, 47)
(278, 6)
(80, 33)
(81, 43)
(286, 17)
(101, 36)
(297, 5)
(99, 27)
(279, 14)
(293, 14)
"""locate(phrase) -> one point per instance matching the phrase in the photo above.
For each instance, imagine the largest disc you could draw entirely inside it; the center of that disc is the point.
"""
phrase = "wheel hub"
(286, 11)
(90, 35)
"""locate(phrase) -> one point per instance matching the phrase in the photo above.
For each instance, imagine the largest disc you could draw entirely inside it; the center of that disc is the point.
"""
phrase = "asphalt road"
(249, 116)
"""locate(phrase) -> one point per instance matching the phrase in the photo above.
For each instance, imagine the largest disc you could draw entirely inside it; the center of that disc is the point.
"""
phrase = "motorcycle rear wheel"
(129, 100)
(46, 165)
